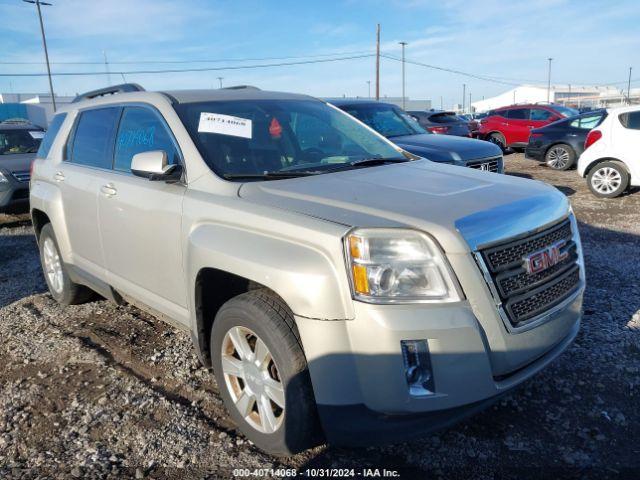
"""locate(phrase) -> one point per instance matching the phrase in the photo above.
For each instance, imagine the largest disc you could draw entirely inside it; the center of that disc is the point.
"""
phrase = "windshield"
(566, 111)
(385, 119)
(19, 141)
(243, 138)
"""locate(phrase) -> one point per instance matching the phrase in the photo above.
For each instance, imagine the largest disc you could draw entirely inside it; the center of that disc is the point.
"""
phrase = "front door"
(140, 220)
(518, 129)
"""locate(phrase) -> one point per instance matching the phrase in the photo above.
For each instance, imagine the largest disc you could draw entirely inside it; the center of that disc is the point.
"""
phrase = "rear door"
(88, 156)
(518, 126)
(140, 220)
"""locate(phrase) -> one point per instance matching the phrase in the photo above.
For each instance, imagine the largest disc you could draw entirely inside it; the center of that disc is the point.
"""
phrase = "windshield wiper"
(269, 175)
(376, 161)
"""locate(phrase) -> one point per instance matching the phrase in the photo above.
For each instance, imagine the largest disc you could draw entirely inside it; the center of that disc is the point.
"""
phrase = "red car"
(510, 126)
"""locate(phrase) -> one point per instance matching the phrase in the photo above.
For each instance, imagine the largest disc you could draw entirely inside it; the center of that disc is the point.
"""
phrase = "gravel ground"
(100, 390)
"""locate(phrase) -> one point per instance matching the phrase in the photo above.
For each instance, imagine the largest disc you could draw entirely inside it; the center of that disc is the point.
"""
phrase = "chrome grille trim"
(491, 164)
(570, 272)
(22, 176)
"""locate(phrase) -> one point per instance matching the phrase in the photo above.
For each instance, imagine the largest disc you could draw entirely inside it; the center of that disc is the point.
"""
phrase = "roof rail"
(101, 92)
(240, 87)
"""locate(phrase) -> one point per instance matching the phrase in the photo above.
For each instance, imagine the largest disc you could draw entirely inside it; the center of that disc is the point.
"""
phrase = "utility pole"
(441, 103)
(106, 68)
(629, 87)
(404, 44)
(369, 87)
(470, 103)
(569, 99)
(464, 95)
(549, 81)
(378, 63)
(44, 43)
(220, 80)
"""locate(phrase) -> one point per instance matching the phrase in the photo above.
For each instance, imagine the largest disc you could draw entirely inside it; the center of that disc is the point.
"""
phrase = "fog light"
(417, 367)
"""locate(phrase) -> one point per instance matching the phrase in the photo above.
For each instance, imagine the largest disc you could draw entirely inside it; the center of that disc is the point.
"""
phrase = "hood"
(16, 163)
(461, 207)
(447, 148)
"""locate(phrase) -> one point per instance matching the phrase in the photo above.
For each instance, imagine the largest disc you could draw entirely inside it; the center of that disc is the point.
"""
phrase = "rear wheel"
(61, 287)
(262, 373)
(608, 179)
(498, 139)
(560, 157)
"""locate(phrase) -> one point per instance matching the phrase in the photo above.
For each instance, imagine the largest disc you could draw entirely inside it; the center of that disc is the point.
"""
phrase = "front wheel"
(608, 180)
(498, 139)
(262, 373)
(560, 157)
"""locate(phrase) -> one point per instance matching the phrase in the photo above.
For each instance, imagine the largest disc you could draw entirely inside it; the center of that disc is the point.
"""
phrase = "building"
(570, 95)
(35, 107)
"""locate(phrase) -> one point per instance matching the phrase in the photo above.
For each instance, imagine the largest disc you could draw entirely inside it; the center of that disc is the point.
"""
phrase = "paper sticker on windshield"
(36, 134)
(224, 125)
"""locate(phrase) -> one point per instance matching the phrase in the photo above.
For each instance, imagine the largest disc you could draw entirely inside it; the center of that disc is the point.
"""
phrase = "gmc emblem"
(546, 258)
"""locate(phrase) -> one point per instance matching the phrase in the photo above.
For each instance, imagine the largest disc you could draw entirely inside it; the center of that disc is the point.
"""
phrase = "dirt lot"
(104, 391)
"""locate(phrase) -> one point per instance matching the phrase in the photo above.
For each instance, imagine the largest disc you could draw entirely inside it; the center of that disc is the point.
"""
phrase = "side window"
(630, 120)
(93, 138)
(518, 114)
(141, 130)
(540, 114)
(51, 134)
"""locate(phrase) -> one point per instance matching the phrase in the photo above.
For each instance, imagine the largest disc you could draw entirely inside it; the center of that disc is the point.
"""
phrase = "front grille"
(489, 165)
(22, 176)
(523, 295)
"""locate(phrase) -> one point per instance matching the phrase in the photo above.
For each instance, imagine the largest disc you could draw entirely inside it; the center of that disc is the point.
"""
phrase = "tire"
(498, 139)
(608, 179)
(560, 157)
(62, 289)
(260, 320)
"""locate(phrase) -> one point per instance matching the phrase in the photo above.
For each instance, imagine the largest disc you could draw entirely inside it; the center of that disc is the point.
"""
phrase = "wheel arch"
(39, 219)
(592, 165)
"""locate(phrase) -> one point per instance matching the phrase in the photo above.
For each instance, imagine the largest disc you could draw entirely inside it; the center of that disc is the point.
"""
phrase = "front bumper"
(357, 369)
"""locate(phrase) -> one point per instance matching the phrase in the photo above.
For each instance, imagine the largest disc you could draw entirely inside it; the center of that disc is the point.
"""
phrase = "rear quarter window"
(50, 135)
(630, 120)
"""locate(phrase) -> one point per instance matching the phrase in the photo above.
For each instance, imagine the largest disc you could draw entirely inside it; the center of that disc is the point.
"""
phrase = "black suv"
(403, 130)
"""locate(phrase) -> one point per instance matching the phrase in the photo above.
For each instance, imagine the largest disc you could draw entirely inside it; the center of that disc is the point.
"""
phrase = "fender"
(307, 276)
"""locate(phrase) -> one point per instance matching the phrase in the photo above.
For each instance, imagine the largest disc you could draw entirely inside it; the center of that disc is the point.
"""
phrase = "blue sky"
(591, 42)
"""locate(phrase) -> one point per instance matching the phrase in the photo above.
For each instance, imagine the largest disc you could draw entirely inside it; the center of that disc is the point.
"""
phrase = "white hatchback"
(611, 160)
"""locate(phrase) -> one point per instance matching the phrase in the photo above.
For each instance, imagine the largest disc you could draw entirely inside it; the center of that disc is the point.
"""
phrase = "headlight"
(388, 265)
(3, 179)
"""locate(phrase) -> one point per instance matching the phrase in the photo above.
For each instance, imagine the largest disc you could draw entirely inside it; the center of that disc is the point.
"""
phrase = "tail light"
(438, 129)
(592, 137)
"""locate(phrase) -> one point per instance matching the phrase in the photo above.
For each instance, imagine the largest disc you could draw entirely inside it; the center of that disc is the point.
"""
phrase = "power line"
(451, 70)
(166, 62)
(187, 70)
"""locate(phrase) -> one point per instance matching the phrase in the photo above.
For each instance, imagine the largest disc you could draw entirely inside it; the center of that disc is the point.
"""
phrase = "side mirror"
(154, 166)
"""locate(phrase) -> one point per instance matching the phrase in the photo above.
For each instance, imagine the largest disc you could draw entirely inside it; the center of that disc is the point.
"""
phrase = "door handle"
(108, 190)
(59, 177)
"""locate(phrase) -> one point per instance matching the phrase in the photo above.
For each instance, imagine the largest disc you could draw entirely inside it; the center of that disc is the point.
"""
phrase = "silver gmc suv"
(341, 288)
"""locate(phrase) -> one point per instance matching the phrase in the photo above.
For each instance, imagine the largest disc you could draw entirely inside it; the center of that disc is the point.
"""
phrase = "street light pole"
(549, 81)
(464, 95)
(404, 44)
(629, 87)
(44, 43)
(220, 80)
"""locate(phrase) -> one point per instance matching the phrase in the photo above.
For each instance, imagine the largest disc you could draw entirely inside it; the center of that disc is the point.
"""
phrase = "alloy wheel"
(606, 180)
(252, 379)
(558, 158)
(52, 265)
